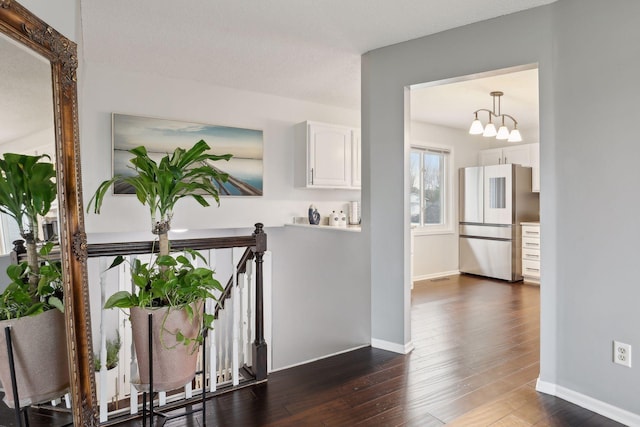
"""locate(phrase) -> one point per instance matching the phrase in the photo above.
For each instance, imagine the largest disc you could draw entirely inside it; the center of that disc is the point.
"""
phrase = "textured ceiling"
(302, 49)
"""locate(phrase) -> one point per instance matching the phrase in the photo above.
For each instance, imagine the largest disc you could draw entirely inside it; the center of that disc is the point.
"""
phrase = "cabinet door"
(518, 155)
(490, 157)
(355, 158)
(329, 156)
(534, 154)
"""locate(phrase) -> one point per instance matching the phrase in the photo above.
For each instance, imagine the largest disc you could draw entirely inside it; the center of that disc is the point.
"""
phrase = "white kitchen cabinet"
(356, 158)
(517, 154)
(531, 252)
(534, 155)
(525, 155)
(327, 156)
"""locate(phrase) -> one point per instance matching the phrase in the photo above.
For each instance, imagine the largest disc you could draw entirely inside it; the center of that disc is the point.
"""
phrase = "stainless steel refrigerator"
(493, 202)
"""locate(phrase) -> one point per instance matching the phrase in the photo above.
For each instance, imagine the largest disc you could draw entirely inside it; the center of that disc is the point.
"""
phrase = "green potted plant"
(31, 305)
(172, 289)
(111, 362)
(113, 354)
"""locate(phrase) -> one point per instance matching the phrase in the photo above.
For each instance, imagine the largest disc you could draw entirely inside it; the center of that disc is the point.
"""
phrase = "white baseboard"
(434, 275)
(391, 346)
(320, 358)
(587, 402)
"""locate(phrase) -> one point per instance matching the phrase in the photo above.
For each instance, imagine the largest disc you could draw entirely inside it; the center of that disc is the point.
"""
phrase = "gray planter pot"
(40, 356)
(174, 364)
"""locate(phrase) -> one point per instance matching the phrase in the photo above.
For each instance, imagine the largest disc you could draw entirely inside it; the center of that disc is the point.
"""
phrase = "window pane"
(497, 193)
(433, 188)
(414, 194)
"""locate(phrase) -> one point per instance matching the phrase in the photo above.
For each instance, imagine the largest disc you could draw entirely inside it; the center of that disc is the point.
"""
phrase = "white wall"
(60, 14)
(106, 90)
(437, 254)
(586, 50)
(303, 290)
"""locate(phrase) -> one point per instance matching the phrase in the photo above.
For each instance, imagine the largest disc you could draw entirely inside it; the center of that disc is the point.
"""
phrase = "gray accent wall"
(320, 293)
(588, 54)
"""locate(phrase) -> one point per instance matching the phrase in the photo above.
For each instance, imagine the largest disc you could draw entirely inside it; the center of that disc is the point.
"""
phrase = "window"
(429, 194)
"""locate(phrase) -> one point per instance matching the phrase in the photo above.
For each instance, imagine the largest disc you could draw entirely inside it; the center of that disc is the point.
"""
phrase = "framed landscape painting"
(161, 136)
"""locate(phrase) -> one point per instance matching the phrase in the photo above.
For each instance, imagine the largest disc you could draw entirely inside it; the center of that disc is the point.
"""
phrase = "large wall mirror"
(39, 115)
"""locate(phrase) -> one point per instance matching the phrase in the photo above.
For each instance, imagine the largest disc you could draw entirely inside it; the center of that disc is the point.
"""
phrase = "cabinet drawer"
(530, 243)
(531, 268)
(530, 254)
(530, 231)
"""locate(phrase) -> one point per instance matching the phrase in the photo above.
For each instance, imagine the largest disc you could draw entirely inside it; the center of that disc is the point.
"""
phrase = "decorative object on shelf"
(244, 169)
(342, 219)
(334, 219)
(490, 129)
(172, 288)
(314, 215)
(354, 213)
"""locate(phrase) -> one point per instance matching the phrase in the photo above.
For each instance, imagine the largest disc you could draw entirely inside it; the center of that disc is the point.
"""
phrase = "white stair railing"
(228, 345)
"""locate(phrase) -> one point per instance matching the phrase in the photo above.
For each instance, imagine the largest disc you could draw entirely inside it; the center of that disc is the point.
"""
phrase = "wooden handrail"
(149, 246)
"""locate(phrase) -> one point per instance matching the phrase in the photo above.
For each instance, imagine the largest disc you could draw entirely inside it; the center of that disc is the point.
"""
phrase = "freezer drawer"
(490, 258)
(504, 232)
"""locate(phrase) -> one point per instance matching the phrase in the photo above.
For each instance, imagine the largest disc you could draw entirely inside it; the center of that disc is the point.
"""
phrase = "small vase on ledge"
(314, 215)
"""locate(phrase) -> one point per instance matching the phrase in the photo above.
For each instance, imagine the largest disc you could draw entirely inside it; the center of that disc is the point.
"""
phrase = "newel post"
(259, 345)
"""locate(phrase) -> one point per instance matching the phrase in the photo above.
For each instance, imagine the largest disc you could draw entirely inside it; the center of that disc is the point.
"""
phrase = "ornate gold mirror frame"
(19, 24)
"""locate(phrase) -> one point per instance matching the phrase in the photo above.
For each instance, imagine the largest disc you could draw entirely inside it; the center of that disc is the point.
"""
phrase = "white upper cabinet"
(524, 155)
(327, 156)
(518, 155)
(534, 155)
(356, 157)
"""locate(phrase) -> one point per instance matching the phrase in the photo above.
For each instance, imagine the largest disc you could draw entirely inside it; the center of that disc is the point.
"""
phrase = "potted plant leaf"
(172, 289)
(31, 305)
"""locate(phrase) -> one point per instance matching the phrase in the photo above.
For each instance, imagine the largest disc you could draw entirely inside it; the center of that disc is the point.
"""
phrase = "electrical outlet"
(622, 353)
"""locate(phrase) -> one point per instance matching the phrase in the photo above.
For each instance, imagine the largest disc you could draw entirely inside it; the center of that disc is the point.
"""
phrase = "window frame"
(446, 227)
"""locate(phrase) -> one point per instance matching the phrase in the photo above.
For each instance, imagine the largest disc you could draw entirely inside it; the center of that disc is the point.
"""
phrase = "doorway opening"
(439, 117)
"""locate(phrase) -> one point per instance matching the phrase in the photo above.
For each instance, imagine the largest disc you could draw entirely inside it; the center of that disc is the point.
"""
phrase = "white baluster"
(104, 410)
(249, 318)
(235, 323)
(133, 364)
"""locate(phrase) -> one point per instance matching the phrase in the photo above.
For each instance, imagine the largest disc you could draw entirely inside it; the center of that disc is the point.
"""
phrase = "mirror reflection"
(26, 127)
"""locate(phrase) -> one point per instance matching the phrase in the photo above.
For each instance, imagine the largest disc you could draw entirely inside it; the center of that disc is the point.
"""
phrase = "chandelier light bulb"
(503, 132)
(490, 130)
(515, 136)
(476, 127)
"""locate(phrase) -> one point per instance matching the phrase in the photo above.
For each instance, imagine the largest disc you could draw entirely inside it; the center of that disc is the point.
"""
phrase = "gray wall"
(589, 62)
(320, 293)
(523, 38)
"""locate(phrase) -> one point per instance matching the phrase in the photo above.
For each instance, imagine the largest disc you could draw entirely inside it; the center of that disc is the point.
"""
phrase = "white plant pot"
(111, 383)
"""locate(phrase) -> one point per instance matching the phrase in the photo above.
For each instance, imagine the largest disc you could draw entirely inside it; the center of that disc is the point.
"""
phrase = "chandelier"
(490, 129)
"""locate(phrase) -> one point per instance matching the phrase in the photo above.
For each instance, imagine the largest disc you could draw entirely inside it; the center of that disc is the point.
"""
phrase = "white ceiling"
(302, 49)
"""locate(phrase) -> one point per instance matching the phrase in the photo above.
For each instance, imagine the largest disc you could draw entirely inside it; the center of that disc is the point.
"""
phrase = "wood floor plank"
(475, 363)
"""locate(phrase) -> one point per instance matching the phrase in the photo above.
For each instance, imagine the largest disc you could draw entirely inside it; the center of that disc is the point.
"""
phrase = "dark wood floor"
(475, 364)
